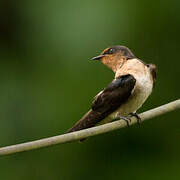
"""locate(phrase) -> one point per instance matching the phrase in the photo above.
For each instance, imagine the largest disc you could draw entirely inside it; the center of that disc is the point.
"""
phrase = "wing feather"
(107, 101)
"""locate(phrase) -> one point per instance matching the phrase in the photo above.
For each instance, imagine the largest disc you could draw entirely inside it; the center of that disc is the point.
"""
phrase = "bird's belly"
(132, 105)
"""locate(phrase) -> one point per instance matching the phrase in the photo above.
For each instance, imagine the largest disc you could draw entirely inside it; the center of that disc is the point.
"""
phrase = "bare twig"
(74, 136)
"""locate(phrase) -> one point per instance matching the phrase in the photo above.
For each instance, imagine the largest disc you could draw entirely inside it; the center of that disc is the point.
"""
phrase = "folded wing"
(106, 102)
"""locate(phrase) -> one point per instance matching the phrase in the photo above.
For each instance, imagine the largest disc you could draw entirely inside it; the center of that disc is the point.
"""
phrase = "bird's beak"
(98, 57)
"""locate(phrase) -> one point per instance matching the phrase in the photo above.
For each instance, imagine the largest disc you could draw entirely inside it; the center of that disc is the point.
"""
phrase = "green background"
(47, 83)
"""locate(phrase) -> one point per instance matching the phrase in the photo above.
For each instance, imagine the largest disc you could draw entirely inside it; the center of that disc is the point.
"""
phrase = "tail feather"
(90, 119)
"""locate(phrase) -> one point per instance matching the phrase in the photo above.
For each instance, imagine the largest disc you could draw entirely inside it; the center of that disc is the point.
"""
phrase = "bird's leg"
(126, 119)
(135, 115)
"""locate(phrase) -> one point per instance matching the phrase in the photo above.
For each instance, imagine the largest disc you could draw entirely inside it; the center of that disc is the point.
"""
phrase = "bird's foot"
(126, 119)
(135, 115)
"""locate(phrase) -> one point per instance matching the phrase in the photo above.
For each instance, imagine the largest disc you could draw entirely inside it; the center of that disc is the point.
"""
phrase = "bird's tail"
(90, 119)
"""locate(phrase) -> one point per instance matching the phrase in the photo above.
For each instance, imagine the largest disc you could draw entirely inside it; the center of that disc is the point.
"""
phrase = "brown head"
(114, 57)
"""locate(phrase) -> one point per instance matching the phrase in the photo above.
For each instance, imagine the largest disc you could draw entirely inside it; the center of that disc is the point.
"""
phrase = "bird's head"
(114, 57)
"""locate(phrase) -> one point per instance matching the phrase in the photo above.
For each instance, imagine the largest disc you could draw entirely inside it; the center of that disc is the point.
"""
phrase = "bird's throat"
(113, 63)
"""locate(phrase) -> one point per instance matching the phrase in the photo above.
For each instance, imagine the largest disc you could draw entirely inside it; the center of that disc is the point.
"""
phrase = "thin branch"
(75, 136)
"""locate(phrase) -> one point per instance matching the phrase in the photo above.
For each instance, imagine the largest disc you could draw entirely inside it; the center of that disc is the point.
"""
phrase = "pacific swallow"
(131, 86)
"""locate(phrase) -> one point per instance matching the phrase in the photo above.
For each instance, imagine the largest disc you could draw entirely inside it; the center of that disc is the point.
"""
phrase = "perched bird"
(132, 84)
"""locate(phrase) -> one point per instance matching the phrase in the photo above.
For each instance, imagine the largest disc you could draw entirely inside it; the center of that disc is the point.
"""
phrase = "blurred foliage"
(47, 84)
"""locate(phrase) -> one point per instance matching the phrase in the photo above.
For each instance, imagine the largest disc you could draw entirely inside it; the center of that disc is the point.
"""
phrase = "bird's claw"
(126, 119)
(137, 117)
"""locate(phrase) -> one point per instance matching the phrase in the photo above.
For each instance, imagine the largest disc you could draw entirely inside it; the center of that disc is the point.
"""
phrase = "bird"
(132, 84)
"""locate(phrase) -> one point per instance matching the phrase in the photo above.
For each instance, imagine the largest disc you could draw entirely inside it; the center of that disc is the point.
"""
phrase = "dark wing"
(106, 102)
(115, 94)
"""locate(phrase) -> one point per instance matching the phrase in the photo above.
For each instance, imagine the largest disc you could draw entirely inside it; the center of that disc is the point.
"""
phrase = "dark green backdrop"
(47, 83)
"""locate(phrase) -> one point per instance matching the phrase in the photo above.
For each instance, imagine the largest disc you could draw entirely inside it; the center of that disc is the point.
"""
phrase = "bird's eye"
(110, 51)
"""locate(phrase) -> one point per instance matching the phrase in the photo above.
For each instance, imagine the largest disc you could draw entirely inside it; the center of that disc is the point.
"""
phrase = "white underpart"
(140, 93)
